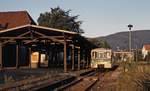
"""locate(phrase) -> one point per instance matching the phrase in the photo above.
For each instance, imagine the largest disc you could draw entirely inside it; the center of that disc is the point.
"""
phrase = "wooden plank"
(29, 41)
(49, 37)
(54, 30)
(72, 56)
(1, 59)
(30, 52)
(21, 35)
(78, 59)
(10, 68)
(87, 60)
(39, 60)
(13, 39)
(54, 39)
(65, 57)
(78, 47)
(39, 33)
(17, 56)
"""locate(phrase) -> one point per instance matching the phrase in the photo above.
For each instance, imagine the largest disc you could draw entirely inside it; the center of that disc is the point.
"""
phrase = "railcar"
(102, 57)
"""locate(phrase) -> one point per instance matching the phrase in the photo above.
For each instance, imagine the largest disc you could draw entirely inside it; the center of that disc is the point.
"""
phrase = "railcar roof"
(101, 49)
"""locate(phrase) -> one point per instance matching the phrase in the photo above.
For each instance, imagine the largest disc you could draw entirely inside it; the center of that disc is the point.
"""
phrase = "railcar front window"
(96, 55)
(93, 55)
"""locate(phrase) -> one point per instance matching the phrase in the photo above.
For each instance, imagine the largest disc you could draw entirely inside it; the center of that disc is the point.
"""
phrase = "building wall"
(9, 56)
(24, 56)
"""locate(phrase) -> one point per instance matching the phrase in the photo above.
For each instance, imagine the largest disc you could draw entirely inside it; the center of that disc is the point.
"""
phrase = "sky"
(100, 17)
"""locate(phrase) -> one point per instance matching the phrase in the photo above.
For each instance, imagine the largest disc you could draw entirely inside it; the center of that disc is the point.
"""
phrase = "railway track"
(82, 83)
(105, 79)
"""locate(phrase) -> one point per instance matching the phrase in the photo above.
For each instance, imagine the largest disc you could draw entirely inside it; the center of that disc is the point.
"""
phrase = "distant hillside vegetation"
(121, 40)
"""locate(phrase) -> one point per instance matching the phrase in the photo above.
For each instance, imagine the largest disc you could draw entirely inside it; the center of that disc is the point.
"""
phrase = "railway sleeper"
(83, 85)
(69, 84)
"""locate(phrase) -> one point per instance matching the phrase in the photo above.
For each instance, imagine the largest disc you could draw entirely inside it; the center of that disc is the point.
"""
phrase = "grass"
(134, 77)
(8, 79)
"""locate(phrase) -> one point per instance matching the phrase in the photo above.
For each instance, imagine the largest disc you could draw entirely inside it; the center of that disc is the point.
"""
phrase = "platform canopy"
(32, 33)
(29, 35)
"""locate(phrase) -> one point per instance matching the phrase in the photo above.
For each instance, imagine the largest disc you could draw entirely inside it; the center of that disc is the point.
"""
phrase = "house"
(14, 19)
(145, 50)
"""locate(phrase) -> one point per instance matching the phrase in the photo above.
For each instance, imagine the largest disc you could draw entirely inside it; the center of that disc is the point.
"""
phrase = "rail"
(82, 82)
(32, 83)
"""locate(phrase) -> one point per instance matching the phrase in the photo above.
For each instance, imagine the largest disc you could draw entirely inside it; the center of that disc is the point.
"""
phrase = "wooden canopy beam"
(27, 38)
(78, 47)
(21, 35)
(39, 33)
(29, 41)
(58, 37)
(53, 38)
(48, 37)
(13, 39)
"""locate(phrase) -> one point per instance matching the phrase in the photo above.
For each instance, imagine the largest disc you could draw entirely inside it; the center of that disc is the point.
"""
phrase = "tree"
(99, 42)
(61, 19)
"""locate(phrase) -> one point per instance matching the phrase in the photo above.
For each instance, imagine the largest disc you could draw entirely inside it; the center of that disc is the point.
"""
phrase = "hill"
(120, 40)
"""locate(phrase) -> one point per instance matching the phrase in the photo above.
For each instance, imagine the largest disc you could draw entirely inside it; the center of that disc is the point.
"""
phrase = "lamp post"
(130, 45)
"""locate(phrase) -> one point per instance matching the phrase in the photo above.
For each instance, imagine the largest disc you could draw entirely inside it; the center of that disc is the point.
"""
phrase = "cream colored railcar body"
(102, 57)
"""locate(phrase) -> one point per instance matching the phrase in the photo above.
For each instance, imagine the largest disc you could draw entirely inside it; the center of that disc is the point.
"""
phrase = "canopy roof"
(33, 33)
(24, 28)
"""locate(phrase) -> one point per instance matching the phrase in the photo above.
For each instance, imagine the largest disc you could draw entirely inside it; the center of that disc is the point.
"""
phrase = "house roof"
(14, 19)
(147, 47)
